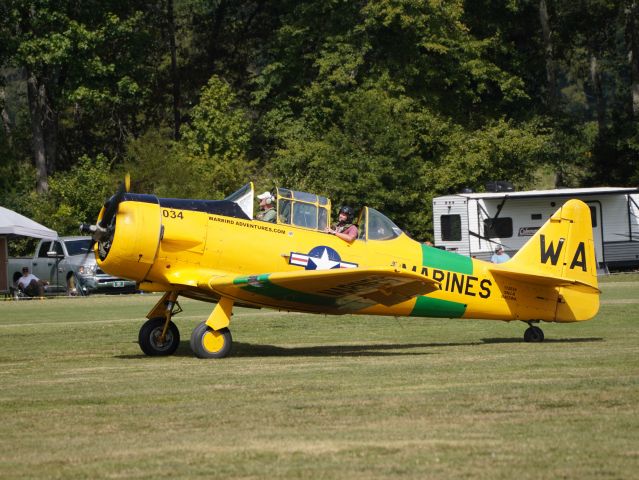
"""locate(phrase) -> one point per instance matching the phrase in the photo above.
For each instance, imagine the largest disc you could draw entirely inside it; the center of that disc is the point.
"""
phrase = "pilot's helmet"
(348, 211)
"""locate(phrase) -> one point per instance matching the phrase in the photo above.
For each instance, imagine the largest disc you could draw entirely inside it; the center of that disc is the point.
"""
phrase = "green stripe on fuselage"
(435, 307)
(436, 259)
(441, 259)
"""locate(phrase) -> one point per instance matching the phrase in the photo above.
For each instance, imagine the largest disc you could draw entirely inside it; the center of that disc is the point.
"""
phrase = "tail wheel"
(534, 335)
(151, 341)
(209, 343)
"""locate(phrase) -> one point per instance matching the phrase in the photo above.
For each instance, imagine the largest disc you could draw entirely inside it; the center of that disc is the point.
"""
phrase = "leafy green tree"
(155, 166)
(210, 159)
(217, 140)
(89, 70)
(378, 99)
(75, 196)
(385, 102)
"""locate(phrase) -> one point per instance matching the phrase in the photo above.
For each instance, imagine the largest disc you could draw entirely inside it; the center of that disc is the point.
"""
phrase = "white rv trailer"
(475, 224)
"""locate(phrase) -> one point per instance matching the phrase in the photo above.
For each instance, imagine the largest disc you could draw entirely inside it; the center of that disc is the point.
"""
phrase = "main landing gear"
(533, 334)
(159, 336)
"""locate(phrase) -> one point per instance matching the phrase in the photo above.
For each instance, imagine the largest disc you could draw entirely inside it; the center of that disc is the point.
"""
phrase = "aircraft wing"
(341, 290)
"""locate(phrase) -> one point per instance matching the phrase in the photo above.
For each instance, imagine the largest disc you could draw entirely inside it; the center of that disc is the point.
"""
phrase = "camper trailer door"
(597, 230)
(450, 223)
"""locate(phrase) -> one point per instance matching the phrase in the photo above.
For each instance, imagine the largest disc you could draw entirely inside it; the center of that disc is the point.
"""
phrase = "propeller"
(102, 231)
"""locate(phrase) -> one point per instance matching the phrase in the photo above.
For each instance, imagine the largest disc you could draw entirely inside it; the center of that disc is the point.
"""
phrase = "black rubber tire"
(149, 336)
(534, 335)
(209, 343)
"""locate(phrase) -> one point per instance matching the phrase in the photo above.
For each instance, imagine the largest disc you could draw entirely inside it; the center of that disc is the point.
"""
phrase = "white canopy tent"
(13, 224)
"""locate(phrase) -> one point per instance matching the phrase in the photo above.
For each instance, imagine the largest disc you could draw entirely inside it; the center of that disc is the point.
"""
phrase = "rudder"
(561, 253)
(563, 246)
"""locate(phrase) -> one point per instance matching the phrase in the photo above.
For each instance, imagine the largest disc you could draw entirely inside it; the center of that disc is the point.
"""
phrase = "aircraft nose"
(131, 251)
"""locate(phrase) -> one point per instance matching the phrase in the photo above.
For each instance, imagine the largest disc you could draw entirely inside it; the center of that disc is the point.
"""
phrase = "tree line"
(383, 103)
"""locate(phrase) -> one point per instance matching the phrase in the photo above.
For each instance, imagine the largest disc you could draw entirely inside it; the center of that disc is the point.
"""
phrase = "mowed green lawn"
(318, 397)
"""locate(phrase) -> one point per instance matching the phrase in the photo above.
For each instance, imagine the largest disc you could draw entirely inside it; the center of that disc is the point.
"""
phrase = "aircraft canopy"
(312, 211)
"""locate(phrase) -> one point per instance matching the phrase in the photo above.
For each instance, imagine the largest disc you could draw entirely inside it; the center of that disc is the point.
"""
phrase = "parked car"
(68, 265)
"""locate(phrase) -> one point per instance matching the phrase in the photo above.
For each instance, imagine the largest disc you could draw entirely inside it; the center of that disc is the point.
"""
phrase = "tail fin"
(561, 254)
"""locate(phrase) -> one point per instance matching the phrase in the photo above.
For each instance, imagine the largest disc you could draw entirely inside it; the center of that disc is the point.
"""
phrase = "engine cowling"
(131, 245)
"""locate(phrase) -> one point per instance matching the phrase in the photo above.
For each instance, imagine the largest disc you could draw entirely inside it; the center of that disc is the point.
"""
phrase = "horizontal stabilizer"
(539, 279)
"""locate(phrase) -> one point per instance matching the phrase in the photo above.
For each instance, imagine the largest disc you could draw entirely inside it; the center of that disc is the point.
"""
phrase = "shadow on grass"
(546, 340)
(247, 350)
(377, 350)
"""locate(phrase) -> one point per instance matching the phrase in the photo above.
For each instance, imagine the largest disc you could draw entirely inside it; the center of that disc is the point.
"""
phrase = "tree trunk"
(632, 38)
(174, 72)
(551, 74)
(37, 101)
(4, 115)
(50, 128)
(595, 78)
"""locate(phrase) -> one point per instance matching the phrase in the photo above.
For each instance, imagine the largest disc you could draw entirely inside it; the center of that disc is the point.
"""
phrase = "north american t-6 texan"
(216, 251)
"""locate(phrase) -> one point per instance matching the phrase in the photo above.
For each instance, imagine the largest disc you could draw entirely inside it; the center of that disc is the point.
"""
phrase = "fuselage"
(165, 245)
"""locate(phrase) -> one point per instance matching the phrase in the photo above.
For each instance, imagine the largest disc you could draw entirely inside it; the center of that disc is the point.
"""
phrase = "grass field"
(318, 397)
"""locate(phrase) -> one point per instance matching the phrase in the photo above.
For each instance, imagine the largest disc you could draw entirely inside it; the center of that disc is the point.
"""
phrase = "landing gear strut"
(159, 336)
(533, 334)
(212, 339)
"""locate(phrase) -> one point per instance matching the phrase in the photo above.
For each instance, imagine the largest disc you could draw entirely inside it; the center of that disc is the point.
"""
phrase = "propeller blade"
(100, 233)
(112, 206)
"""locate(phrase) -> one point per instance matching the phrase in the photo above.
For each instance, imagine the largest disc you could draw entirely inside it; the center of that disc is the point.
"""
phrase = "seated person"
(344, 228)
(268, 213)
(30, 285)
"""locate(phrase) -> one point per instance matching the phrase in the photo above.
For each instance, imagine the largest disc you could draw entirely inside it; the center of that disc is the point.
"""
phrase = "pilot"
(30, 285)
(344, 228)
(266, 205)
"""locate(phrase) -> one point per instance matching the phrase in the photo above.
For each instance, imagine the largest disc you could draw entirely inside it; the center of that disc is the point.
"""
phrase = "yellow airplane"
(214, 250)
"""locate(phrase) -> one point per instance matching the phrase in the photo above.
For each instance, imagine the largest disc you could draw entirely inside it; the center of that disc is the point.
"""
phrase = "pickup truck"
(68, 265)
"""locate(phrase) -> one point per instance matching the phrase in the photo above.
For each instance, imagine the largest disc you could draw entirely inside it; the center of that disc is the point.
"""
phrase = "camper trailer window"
(451, 228)
(593, 216)
(498, 227)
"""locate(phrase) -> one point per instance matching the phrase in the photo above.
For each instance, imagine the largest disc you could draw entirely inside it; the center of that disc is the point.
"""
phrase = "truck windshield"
(78, 247)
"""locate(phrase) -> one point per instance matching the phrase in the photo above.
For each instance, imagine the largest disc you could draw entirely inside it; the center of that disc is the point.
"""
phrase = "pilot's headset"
(268, 196)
